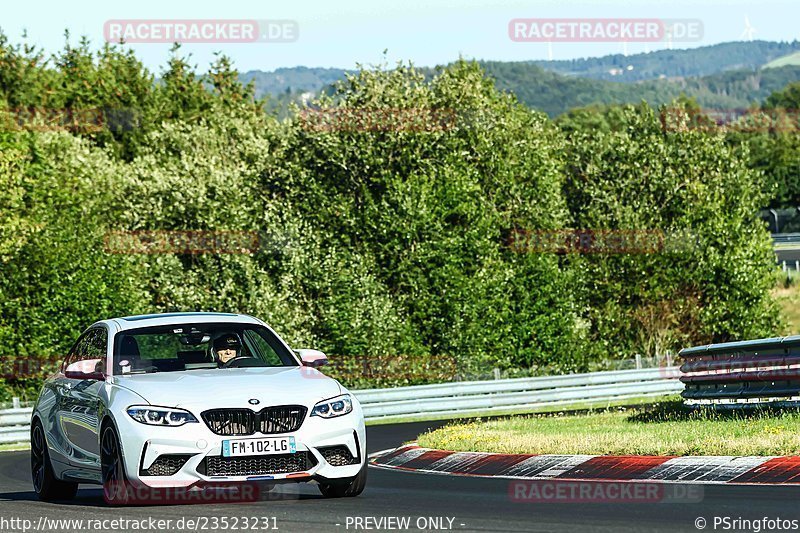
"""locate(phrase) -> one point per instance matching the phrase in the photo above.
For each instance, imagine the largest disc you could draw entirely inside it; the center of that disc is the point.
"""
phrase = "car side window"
(97, 346)
(77, 350)
(91, 345)
(263, 350)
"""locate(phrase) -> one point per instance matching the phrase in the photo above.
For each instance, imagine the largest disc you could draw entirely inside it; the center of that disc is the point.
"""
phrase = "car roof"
(165, 319)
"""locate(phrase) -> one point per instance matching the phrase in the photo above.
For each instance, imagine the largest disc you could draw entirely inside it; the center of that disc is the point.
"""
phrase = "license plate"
(267, 446)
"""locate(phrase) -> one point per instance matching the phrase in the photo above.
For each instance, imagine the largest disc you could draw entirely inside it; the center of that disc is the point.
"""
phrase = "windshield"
(181, 347)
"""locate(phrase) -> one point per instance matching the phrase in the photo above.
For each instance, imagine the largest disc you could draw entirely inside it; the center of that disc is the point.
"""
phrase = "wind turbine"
(749, 31)
(549, 50)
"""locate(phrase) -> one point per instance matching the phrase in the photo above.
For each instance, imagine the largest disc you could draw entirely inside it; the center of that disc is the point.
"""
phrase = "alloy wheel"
(37, 458)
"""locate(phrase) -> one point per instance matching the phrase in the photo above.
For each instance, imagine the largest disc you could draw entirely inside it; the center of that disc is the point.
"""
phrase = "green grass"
(14, 447)
(791, 59)
(788, 297)
(667, 428)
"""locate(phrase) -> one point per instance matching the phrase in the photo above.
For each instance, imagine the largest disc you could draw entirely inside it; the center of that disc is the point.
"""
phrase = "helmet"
(228, 341)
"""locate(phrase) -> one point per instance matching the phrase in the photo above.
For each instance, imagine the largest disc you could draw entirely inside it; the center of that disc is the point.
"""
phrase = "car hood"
(232, 387)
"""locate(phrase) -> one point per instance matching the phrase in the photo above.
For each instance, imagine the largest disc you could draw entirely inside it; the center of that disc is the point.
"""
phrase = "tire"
(45, 484)
(349, 489)
(116, 489)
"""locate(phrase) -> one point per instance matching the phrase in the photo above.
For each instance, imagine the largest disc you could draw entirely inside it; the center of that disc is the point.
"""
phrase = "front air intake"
(256, 465)
(166, 465)
(338, 456)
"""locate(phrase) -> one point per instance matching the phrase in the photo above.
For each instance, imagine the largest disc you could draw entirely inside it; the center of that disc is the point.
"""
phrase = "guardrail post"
(15, 402)
(638, 361)
(496, 373)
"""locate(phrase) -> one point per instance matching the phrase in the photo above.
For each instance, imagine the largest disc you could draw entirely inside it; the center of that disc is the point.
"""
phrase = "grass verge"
(14, 447)
(667, 428)
(787, 295)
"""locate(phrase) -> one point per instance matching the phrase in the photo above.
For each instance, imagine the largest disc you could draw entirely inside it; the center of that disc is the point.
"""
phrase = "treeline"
(723, 76)
(679, 63)
(392, 239)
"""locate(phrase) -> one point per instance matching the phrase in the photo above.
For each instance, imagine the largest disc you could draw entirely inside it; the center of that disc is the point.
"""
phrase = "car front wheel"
(47, 487)
(112, 468)
(348, 489)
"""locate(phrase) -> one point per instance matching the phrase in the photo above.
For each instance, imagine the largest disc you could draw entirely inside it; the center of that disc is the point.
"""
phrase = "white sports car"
(192, 399)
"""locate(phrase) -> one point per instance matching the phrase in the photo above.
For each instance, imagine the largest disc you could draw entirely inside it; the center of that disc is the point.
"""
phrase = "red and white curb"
(630, 468)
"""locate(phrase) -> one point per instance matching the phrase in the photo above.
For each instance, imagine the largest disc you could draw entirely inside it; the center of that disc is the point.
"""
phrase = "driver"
(227, 348)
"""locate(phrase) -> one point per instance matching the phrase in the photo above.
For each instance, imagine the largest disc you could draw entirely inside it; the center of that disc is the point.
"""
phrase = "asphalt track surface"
(473, 504)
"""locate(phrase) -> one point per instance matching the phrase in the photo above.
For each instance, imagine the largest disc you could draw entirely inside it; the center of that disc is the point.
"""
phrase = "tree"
(708, 280)
(428, 176)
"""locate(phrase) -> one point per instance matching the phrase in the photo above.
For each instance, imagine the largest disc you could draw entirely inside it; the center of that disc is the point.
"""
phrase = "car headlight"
(160, 416)
(341, 405)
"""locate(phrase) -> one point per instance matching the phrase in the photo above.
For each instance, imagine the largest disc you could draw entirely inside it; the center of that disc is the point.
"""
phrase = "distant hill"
(692, 62)
(292, 80)
(728, 75)
(554, 93)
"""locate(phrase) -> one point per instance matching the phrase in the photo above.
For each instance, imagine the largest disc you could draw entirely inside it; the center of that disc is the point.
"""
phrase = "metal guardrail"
(15, 425)
(786, 238)
(471, 398)
(504, 396)
(743, 373)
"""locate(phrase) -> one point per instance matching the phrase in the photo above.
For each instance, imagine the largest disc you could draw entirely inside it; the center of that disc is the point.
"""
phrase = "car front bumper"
(143, 444)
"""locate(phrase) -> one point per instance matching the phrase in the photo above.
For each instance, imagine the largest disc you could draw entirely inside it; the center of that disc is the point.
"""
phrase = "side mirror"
(312, 358)
(86, 369)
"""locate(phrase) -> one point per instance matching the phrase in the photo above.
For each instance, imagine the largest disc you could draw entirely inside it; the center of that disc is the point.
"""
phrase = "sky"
(343, 33)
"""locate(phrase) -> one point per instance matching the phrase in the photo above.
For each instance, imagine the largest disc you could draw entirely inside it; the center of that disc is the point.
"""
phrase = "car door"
(79, 400)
